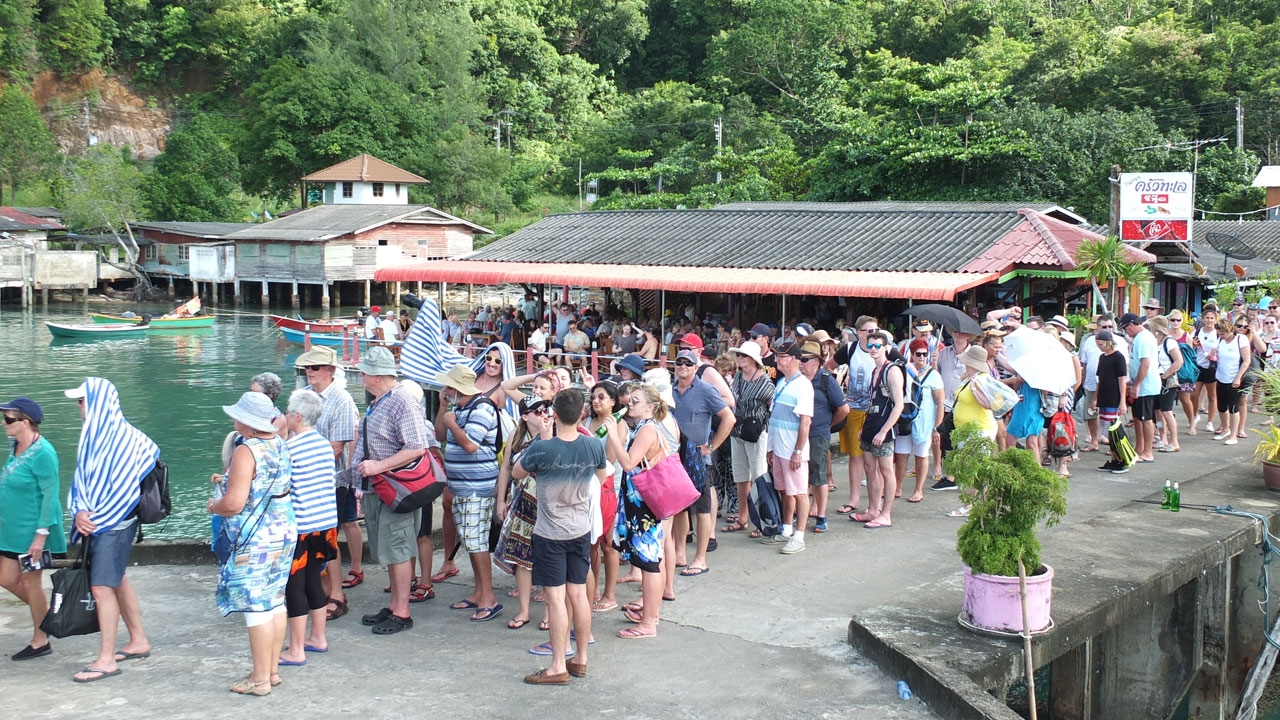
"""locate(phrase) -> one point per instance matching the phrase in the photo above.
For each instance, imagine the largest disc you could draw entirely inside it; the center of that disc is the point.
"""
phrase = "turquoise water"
(172, 386)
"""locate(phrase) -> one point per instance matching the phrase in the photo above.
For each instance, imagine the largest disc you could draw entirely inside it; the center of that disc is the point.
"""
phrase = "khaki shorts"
(393, 537)
(850, 442)
(1089, 395)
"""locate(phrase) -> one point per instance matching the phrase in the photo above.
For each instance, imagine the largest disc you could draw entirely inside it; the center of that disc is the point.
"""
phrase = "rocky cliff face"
(100, 106)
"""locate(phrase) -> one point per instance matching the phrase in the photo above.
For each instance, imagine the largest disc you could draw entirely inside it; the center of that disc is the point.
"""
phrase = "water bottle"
(1168, 495)
(1175, 501)
(904, 690)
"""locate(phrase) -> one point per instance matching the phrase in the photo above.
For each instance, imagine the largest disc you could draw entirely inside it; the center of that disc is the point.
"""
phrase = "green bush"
(1009, 494)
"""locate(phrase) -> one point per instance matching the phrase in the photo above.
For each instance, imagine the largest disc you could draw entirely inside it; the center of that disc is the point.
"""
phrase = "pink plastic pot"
(992, 602)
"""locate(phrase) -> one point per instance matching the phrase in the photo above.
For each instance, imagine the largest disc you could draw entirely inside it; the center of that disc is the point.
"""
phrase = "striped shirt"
(314, 504)
(111, 461)
(337, 421)
(473, 474)
(752, 398)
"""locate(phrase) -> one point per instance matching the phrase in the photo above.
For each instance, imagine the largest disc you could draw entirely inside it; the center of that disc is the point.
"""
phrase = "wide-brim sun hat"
(974, 357)
(379, 361)
(317, 355)
(633, 362)
(751, 349)
(253, 409)
(661, 379)
(1159, 324)
(460, 378)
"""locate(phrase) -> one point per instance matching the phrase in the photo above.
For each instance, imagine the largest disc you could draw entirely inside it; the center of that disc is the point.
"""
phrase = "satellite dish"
(1239, 270)
(1198, 268)
(1230, 246)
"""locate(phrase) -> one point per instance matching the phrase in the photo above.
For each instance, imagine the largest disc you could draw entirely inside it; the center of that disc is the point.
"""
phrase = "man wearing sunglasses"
(789, 423)
(1144, 385)
(696, 404)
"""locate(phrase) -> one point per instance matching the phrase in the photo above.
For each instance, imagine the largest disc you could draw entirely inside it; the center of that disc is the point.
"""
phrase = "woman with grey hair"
(269, 384)
(315, 510)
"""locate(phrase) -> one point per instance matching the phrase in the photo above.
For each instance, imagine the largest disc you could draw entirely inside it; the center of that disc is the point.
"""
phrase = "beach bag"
(1062, 434)
(1189, 372)
(1121, 447)
(72, 610)
(693, 463)
(765, 506)
(665, 487)
(994, 395)
(410, 487)
(154, 503)
(912, 397)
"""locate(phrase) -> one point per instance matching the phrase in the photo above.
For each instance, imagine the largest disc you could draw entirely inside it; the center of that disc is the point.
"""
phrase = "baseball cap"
(1126, 320)
(691, 339)
(790, 349)
(27, 407)
(760, 329)
(922, 325)
(803, 330)
(690, 355)
(1105, 336)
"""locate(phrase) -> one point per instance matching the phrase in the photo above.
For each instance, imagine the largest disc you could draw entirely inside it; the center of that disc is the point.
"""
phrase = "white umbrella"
(1040, 359)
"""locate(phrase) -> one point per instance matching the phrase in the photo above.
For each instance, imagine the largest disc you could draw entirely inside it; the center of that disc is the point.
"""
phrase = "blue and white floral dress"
(262, 536)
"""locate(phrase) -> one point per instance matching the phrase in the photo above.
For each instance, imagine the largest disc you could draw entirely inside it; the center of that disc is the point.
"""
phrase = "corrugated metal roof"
(1043, 241)
(838, 283)
(912, 206)
(924, 241)
(14, 220)
(48, 213)
(325, 222)
(202, 230)
(1262, 236)
(365, 168)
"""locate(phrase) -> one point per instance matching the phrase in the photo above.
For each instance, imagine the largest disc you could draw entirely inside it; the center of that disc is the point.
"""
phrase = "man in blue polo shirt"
(696, 403)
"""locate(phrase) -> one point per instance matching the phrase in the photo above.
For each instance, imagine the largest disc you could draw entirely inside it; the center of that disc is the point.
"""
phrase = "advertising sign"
(1156, 206)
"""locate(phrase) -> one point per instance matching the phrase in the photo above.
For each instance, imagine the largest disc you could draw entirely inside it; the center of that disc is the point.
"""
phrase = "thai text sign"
(1156, 206)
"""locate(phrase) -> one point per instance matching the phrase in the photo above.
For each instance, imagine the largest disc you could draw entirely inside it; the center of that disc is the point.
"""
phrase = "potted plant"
(1009, 495)
(1267, 454)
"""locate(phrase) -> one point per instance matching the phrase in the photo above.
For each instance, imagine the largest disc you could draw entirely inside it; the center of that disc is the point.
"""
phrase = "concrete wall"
(213, 263)
(65, 269)
(362, 193)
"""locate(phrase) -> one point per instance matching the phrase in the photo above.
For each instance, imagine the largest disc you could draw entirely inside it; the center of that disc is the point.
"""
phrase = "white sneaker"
(1209, 427)
(1220, 436)
(1232, 441)
(793, 546)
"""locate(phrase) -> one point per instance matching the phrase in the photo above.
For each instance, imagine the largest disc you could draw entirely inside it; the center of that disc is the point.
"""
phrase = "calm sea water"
(172, 386)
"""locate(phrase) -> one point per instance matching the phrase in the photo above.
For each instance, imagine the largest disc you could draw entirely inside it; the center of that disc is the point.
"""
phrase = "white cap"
(77, 393)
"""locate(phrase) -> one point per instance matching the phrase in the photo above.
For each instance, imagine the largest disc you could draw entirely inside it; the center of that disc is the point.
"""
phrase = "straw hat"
(821, 336)
(1060, 322)
(317, 355)
(1159, 324)
(253, 409)
(750, 349)
(379, 361)
(460, 378)
(661, 379)
(974, 357)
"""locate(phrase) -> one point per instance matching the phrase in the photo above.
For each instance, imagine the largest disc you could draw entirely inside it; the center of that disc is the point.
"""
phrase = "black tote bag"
(72, 610)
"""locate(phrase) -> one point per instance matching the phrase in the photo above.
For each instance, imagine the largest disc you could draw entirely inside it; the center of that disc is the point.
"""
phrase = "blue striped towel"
(111, 461)
(425, 354)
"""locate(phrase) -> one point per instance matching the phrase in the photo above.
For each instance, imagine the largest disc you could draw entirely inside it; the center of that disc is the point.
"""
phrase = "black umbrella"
(945, 315)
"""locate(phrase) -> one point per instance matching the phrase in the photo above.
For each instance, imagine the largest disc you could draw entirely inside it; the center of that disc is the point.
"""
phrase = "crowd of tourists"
(547, 476)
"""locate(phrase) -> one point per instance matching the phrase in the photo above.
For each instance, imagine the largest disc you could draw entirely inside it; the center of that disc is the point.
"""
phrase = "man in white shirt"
(390, 329)
(372, 322)
(538, 338)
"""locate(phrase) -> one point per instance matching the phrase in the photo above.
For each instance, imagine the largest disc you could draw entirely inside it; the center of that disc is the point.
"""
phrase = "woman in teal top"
(30, 514)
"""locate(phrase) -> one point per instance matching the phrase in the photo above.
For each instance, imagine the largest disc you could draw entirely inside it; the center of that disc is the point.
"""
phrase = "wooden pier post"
(239, 299)
(368, 293)
(295, 295)
(324, 298)
(266, 293)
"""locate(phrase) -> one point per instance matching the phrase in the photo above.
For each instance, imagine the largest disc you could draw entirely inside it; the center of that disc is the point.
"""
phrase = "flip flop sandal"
(486, 614)
(633, 616)
(353, 579)
(862, 517)
(914, 499)
(756, 535)
(846, 509)
(463, 605)
(634, 634)
(444, 575)
(517, 624)
(601, 606)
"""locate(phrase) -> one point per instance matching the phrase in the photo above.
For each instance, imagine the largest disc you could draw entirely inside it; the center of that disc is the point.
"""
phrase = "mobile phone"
(27, 563)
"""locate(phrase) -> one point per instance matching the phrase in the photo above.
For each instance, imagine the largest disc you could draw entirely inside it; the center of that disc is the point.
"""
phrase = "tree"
(194, 177)
(27, 148)
(1103, 261)
(17, 38)
(103, 192)
(75, 35)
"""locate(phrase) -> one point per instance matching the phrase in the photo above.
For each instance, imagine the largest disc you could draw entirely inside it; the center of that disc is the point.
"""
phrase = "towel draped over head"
(111, 460)
(425, 355)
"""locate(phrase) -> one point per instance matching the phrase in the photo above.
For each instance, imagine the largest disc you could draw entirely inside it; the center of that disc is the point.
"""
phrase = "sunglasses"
(636, 401)
(11, 420)
(493, 361)
(921, 354)
(1242, 327)
(316, 368)
(874, 346)
(683, 363)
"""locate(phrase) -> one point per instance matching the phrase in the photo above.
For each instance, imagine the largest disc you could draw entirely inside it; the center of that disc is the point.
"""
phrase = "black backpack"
(912, 397)
(154, 504)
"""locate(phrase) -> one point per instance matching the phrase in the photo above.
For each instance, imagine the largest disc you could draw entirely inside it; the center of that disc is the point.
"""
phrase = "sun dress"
(515, 542)
(262, 536)
(639, 530)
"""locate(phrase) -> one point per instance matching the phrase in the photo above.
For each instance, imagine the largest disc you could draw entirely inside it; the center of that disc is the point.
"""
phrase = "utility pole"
(497, 136)
(579, 184)
(508, 112)
(719, 141)
(1239, 124)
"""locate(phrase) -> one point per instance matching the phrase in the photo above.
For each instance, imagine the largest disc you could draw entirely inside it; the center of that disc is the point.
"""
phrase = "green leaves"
(195, 177)
(27, 148)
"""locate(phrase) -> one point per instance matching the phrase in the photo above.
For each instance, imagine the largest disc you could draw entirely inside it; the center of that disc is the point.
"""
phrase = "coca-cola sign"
(1156, 206)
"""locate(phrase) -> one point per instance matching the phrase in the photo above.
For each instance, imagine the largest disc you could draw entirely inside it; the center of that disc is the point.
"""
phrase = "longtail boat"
(95, 332)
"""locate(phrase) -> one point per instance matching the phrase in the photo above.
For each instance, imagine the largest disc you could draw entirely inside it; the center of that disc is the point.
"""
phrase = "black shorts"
(1168, 399)
(1228, 398)
(1144, 408)
(348, 506)
(702, 506)
(428, 519)
(10, 555)
(1208, 375)
(556, 562)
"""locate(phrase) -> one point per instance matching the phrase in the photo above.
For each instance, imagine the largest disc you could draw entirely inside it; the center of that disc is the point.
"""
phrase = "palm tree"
(1103, 261)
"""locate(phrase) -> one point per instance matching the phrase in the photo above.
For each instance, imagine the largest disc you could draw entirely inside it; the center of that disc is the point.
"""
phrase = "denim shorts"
(109, 554)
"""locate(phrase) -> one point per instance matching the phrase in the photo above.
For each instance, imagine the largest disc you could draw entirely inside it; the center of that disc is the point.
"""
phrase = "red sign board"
(1153, 230)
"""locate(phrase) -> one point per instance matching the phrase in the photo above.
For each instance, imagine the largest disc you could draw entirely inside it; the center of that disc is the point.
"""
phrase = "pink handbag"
(666, 487)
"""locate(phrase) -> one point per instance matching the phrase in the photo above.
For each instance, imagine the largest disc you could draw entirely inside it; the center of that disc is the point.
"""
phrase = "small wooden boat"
(158, 323)
(95, 332)
(330, 339)
(323, 325)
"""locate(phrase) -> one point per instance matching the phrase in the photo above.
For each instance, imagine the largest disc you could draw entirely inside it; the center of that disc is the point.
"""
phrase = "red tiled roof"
(1043, 241)
(14, 220)
(365, 168)
(838, 283)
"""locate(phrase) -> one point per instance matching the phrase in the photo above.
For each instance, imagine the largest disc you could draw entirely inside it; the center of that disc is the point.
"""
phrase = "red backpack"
(1062, 434)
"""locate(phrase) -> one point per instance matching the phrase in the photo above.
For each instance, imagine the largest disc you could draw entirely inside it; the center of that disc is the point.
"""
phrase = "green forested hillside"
(500, 103)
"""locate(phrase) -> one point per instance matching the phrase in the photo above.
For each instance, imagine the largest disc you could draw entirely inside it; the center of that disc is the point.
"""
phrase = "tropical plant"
(1009, 495)
(1268, 449)
(1102, 261)
(1269, 382)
